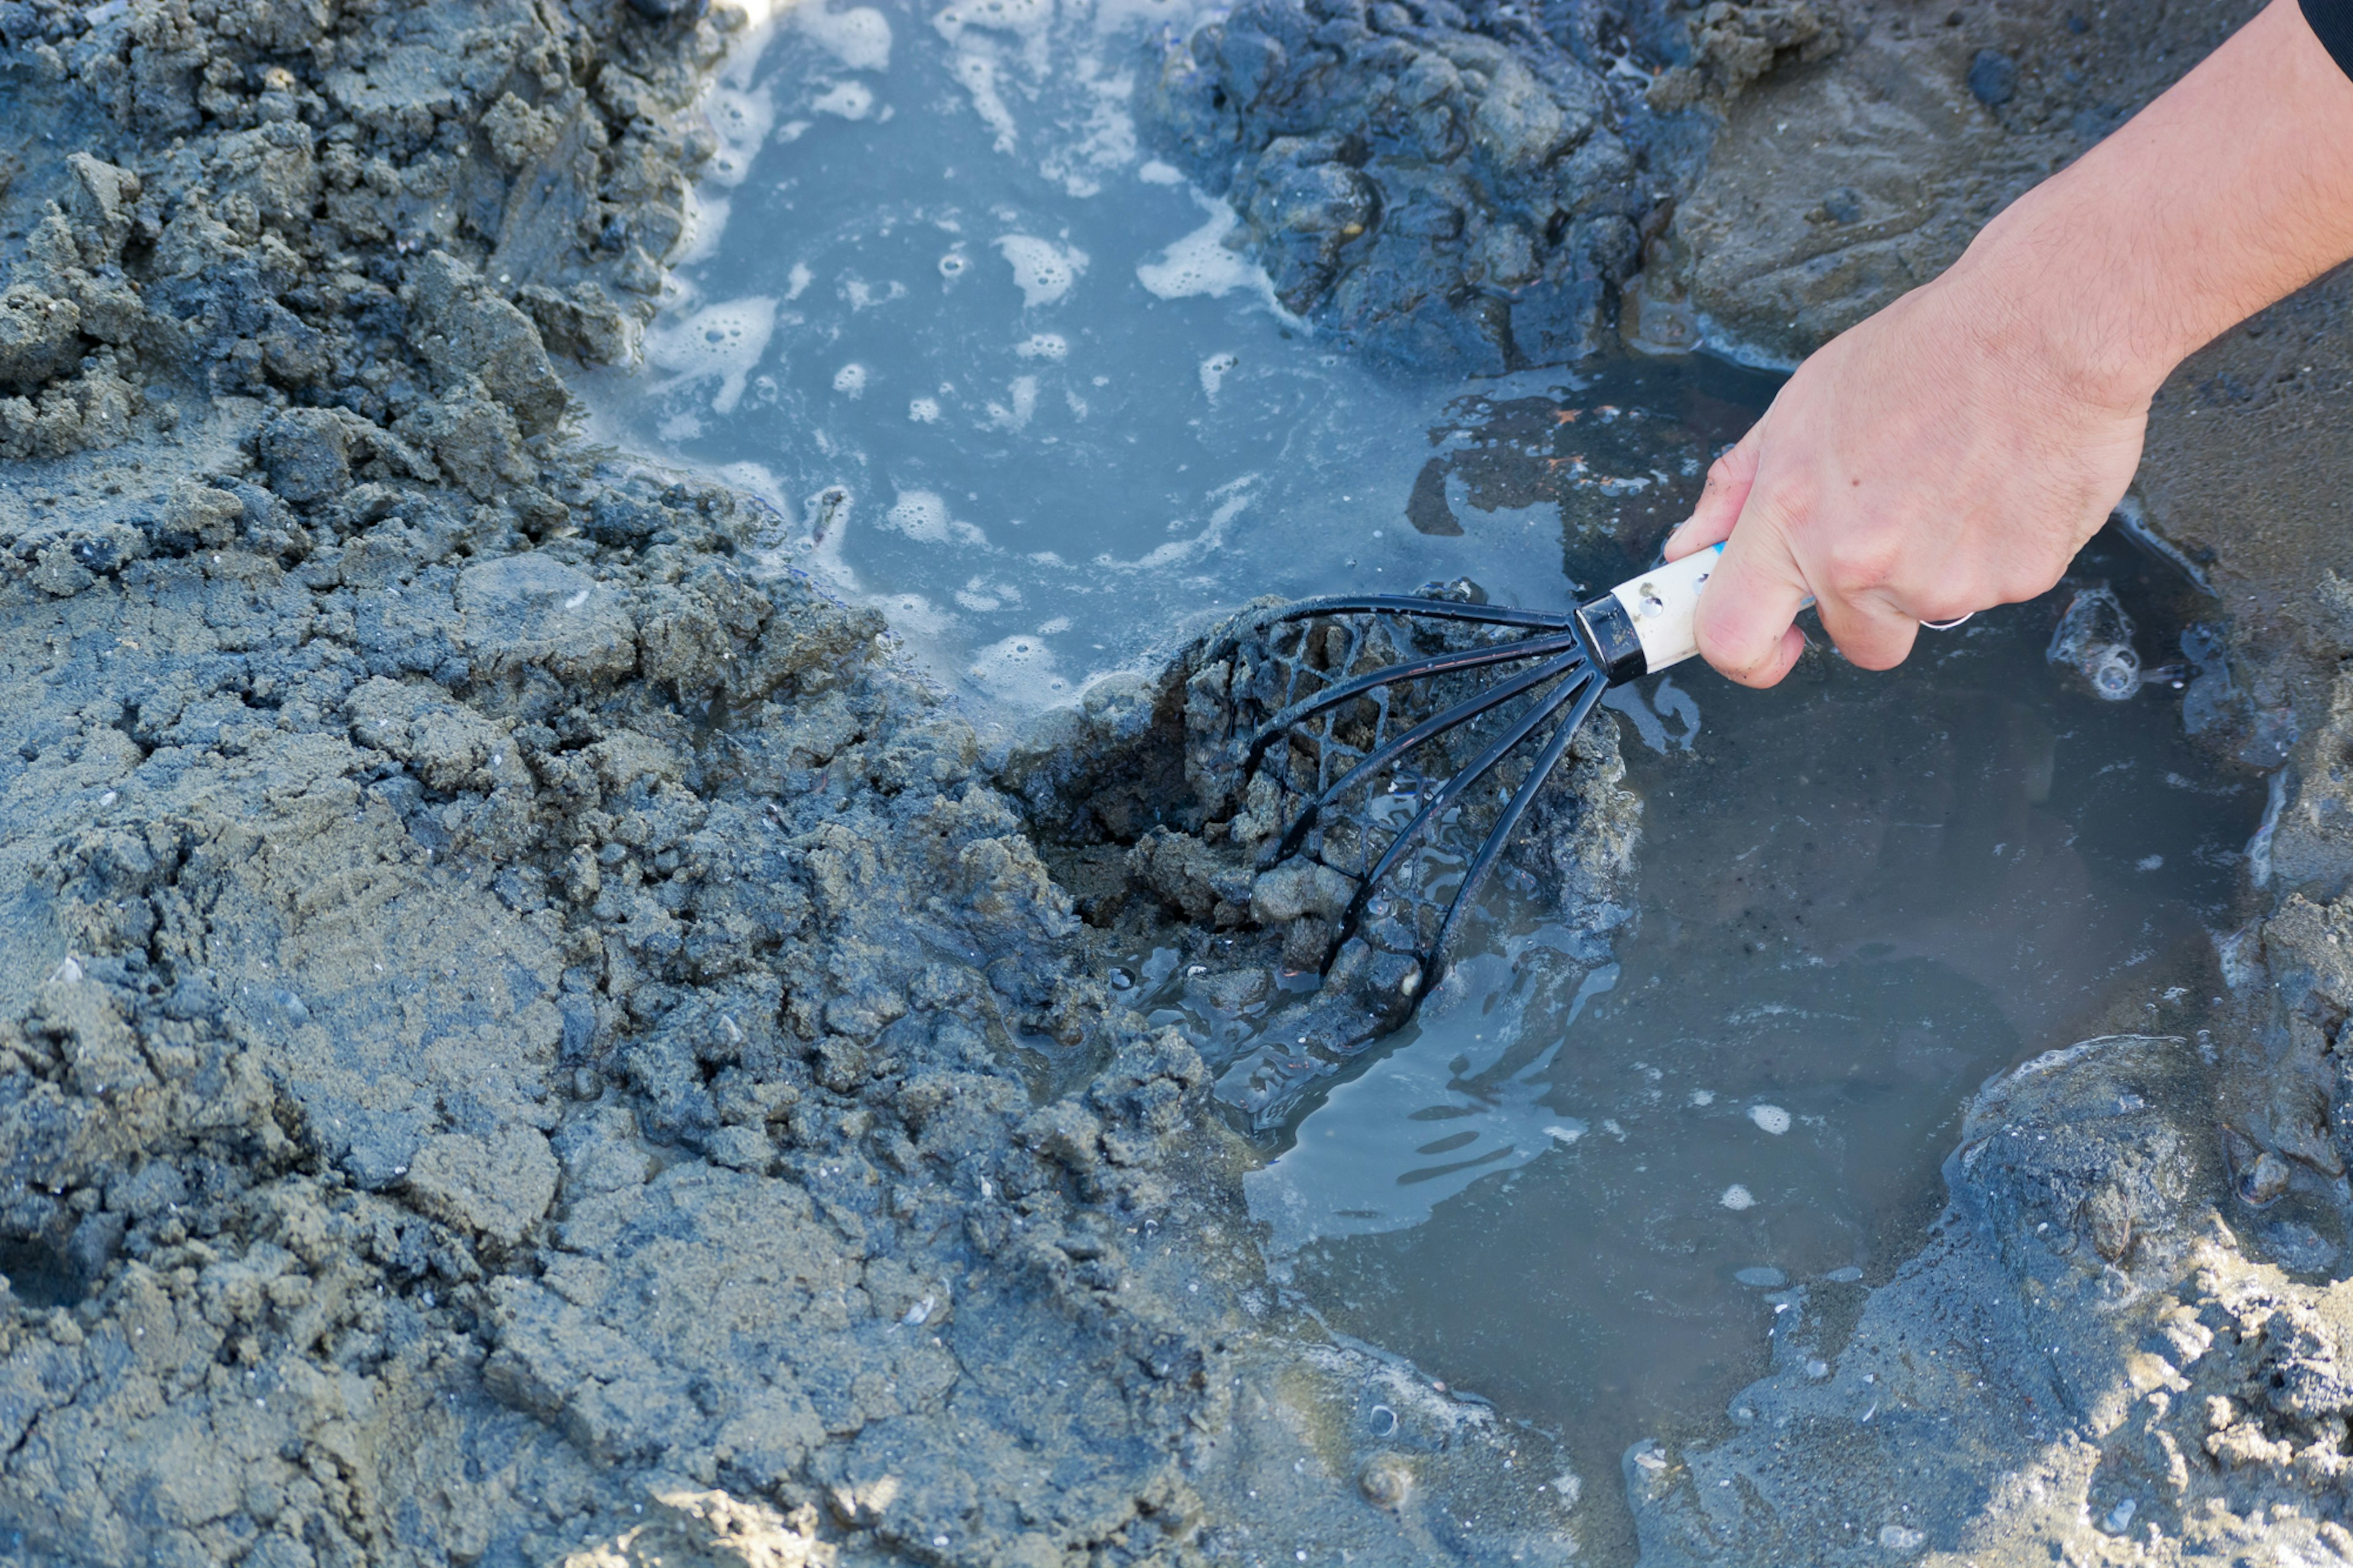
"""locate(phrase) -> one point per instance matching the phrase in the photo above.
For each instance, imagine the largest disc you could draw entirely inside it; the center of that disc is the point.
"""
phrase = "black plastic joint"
(1611, 641)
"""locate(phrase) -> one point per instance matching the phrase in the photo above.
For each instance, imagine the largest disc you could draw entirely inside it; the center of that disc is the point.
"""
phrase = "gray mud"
(525, 1037)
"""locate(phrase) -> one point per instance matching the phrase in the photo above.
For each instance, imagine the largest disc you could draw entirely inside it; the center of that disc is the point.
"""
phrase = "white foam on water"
(913, 613)
(1213, 373)
(724, 340)
(741, 119)
(865, 296)
(1044, 345)
(1201, 266)
(924, 410)
(706, 219)
(983, 594)
(975, 72)
(1021, 18)
(1042, 270)
(848, 100)
(1023, 393)
(1232, 499)
(1155, 173)
(1106, 143)
(851, 381)
(858, 37)
(923, 516)
(799, 278)
(1737, 1197)
(1771, 1118)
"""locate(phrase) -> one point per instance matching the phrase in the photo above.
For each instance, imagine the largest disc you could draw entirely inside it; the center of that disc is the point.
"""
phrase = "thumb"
(1729, 481)
(1743, 620)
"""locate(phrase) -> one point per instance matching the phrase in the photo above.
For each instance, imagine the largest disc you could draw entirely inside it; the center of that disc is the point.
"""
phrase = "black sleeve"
(2332, 20)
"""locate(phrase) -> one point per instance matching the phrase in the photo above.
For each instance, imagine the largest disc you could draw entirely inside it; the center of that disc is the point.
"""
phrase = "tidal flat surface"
(1000, 375)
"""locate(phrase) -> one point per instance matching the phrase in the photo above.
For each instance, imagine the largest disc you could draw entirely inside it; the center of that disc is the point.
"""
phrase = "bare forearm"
(2230, 191)
(1955, 450)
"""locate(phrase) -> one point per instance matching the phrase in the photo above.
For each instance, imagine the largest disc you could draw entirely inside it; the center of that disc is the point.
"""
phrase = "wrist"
(2054, 290)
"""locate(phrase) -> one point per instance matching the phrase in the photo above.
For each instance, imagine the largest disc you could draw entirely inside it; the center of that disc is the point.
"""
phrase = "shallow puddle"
(1860, 895)
(999, 375)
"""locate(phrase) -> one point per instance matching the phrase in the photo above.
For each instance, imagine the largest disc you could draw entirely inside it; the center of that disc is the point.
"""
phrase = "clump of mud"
(1454, 188)
(1203, 816)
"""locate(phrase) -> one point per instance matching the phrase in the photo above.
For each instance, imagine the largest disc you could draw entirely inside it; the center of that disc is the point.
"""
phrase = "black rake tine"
(1522, 798)
(1435, 609)
(1461, 714)
(1412, 669)
(1545, 708)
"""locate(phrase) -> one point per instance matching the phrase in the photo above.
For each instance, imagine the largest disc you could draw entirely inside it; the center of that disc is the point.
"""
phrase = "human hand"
(1954, 451)
(1930, 462)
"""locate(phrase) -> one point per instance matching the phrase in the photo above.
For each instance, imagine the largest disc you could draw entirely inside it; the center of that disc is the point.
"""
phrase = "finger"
(1870, 632)
(1729, 481)
(1743, 622)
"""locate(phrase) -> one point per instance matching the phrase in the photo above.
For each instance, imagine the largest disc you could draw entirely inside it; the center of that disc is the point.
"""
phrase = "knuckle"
(1859, 565)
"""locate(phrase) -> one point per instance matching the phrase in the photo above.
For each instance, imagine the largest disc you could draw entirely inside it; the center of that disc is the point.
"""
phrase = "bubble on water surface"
(1043, 270)
(724, 340)
(1771, 1118)
(924, 410)
(2094, 637)
(1737, 1196)
(1044, 345)
(850, 380)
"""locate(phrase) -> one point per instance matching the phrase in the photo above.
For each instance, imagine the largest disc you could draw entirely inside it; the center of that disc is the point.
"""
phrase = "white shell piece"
(1660, 603)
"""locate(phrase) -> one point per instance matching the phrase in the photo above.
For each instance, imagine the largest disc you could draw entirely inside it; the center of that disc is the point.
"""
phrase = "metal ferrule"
(1611, 642)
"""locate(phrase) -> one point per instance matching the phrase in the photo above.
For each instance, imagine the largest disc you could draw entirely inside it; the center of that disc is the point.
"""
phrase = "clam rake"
(1571, 659)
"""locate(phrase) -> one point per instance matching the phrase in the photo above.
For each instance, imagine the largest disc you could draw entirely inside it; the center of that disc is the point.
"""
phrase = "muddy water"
(999, 375)
(998, 372)
(1862, 895)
